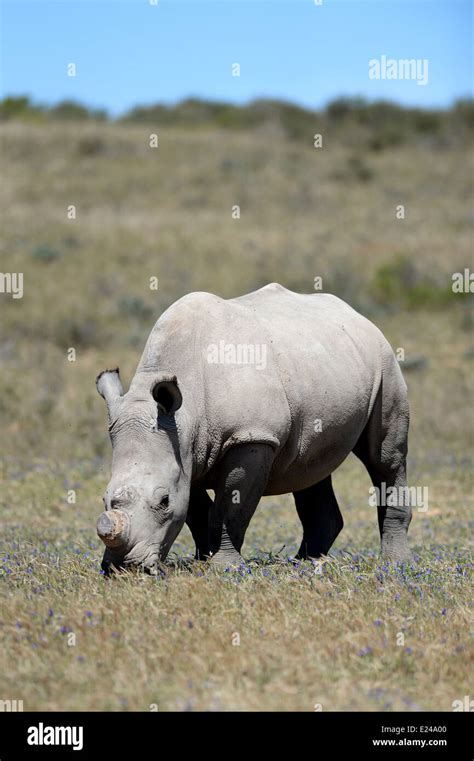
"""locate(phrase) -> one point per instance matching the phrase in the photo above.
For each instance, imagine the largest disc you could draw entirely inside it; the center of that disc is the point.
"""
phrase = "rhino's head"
(147, 497)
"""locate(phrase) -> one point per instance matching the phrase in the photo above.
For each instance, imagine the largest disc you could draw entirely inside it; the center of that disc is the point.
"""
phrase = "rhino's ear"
(167, 395)
(109, 386)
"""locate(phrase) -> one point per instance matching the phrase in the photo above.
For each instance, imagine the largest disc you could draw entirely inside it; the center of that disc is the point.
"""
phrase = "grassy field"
(351, 634)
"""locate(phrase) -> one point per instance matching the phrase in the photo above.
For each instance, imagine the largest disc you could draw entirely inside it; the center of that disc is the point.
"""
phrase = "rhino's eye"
(160, 500)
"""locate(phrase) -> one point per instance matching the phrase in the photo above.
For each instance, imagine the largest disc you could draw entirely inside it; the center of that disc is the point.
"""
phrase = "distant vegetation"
(23, 108)
(380, 124)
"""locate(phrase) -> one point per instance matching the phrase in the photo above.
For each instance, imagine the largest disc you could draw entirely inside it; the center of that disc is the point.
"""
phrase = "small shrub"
(427, 122)
(387, 137)
(134, 306)
(399, 284)
(72, 331)
(463, 111)
(359, 169)
(90, 146)
(69, 110)
(341, 109)
(467, 314)
(45, 254)
(70, 241)
(394, 279)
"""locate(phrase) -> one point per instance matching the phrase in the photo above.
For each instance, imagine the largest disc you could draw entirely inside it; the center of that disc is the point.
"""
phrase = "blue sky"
(131, 52)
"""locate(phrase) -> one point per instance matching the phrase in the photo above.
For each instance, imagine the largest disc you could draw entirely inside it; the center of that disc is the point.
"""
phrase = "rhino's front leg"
(199, 509)
(241, 481)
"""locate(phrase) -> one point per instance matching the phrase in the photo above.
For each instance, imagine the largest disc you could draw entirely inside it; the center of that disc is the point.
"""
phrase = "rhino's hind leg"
(395, 519)
(382, 448)
(321, 518)
(242, 479)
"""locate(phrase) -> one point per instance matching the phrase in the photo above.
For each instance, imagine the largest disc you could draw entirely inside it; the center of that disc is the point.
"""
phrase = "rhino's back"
(320, 344)
(330, 361)
(311, 396)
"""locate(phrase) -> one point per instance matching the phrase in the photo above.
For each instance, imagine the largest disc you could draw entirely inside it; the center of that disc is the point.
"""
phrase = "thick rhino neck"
(177, 346)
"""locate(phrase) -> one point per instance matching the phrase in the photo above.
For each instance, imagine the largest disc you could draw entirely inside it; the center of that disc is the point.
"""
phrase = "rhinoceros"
(263, 394)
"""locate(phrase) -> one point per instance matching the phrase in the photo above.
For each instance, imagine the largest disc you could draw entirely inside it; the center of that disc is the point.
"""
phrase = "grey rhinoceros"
(263, 394)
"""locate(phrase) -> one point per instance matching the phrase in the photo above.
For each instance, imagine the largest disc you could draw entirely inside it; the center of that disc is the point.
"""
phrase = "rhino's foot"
(405, 556)
(396, 549)
(201, 556)
(316, 559)
(227, 559)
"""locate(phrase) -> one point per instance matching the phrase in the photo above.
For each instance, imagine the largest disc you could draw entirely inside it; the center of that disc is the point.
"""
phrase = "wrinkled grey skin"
(188, 425)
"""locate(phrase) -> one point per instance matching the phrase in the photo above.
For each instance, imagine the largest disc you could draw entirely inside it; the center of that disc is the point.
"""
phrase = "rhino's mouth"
(149, 563)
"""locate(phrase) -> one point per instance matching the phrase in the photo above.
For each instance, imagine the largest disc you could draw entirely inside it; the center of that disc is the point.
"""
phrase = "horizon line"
(236, 104)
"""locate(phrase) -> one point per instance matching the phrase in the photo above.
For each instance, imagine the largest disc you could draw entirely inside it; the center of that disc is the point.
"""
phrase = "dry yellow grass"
(305, 638)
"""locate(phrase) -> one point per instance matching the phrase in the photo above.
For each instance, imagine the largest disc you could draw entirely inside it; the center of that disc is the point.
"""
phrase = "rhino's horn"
(113, 527)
